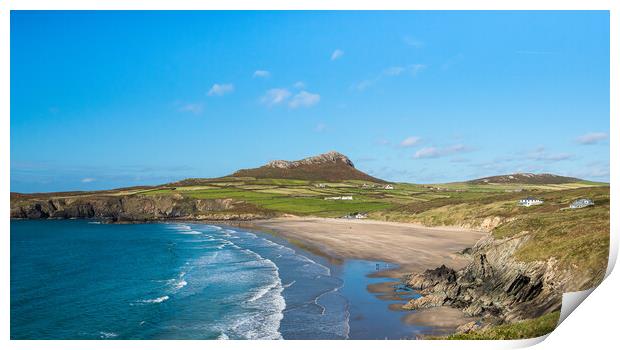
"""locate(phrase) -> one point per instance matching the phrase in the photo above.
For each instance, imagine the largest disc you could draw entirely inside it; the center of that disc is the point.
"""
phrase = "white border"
(594, 324)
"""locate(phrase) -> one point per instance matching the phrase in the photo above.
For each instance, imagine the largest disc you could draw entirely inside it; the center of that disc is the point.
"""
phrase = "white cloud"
(299, 85)
(194, 108)
(364, 84)
(436, 152)
(221, 89)
(591, 138)
(337, 54)
(88, 179)
(304, 99)
(427, 152)
(410, 41)
(410, 141)
(275, 96)
(261, 74)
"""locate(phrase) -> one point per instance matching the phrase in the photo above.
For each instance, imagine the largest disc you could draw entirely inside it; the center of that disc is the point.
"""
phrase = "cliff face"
(133, 208)
(495, 286)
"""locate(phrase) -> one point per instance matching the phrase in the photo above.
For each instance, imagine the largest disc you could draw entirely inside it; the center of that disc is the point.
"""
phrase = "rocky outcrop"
(330, 166)
(329, 157)
(134, 208)
(494, 285)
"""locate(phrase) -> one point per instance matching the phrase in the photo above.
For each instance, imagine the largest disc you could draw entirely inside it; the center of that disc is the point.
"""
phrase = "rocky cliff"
(495, 287)
(133, 208)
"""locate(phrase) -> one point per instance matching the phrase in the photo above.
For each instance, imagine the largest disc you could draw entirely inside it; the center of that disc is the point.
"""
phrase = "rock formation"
(495, 286)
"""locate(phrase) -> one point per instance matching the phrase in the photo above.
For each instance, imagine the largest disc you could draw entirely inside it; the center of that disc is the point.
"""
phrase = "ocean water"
(77, 279)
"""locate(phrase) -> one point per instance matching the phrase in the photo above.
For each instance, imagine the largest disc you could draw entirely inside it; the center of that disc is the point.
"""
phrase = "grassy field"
(442, 204)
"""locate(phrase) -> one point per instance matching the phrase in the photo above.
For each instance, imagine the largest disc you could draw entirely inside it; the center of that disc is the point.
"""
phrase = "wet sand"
(443, 319)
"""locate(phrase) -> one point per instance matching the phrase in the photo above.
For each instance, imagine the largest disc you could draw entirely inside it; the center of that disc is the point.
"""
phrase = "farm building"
(581, 203)
(356, 215)
(343, 198)
(388, 187)
(529, 201)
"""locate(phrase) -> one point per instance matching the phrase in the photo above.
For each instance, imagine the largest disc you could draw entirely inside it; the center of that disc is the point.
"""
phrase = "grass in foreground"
(532, 328)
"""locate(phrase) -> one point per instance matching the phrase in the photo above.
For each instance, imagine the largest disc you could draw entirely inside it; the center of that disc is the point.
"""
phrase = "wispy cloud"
(540, 154)
(337, 54)
(534, 52)
(591, 138)
(452, 61)
(436, 152)
(194, 108)
(413, 42)
(412, 69)
(304, 99)
(299, 85)
(87, 180)
(275, 96)
(221, 89)
(410, 141)
(261, 74)
(393, 71)
(320, 127)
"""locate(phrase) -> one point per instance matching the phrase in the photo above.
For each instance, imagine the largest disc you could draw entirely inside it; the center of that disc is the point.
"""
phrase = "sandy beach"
(414, 247)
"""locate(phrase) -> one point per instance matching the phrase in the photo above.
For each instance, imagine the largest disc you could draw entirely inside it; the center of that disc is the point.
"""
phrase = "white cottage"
(581, 203)
(388, 187)
(529, 201)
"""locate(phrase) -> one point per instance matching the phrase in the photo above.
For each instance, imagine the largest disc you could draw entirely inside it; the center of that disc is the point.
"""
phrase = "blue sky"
(110, 99)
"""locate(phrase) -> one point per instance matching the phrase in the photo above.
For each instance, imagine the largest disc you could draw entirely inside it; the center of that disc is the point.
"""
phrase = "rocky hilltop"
(325, 158)
(525, 178)
(330, 166)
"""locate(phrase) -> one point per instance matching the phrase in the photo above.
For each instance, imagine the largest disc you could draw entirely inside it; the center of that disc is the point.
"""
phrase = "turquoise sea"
(78, 279)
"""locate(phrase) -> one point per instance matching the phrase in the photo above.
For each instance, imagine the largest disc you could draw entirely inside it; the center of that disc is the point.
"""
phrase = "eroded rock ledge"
(494, 287)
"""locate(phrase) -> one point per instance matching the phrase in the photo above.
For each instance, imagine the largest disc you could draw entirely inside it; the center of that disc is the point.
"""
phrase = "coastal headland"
(476, 247)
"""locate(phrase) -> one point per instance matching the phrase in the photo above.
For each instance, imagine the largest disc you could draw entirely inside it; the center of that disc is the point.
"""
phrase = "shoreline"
(413, 247)
(337, 242)
(309, 234)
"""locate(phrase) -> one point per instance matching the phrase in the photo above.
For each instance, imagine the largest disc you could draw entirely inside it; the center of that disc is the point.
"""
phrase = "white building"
(581, 203)
(343, 198)
(529, 201)
(388, 187)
